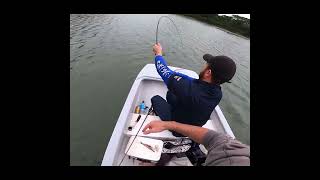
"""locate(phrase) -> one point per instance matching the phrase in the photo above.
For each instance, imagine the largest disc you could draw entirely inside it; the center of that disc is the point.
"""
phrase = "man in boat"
(222, 149)
(191, 101)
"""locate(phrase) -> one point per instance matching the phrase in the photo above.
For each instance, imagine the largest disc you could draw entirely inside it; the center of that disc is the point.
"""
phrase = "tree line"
(234, 23)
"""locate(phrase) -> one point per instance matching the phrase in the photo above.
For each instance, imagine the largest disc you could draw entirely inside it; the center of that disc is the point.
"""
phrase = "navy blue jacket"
(194, 99)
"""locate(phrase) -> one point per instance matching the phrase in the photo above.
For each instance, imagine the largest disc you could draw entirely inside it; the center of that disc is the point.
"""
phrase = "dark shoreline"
(212, 21)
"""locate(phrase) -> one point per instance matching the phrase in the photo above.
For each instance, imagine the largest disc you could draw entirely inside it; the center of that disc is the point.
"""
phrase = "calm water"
(108, 51)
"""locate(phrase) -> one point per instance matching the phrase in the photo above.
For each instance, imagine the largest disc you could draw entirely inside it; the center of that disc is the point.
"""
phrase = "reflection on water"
(108, 51)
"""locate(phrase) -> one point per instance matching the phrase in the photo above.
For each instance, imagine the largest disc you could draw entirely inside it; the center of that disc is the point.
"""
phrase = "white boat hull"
(148, 84)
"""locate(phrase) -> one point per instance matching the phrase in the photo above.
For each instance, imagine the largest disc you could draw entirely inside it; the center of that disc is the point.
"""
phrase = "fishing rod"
(172, 23)
(174, 26)
(151, 108)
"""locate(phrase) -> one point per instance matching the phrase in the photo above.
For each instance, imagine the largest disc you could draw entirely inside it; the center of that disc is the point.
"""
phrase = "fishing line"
(136, 135)
(179, 33)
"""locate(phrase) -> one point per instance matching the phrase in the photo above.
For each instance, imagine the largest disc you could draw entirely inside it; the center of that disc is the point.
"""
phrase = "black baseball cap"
(223, 67)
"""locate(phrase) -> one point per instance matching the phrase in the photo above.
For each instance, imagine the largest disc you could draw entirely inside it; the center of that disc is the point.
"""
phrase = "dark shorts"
(163, 108)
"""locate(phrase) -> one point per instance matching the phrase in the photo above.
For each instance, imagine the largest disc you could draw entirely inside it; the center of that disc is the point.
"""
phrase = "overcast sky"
(243, 15)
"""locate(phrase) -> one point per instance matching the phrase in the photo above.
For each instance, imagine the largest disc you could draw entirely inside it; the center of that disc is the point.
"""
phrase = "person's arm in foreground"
(193, 132)
(222, 149)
